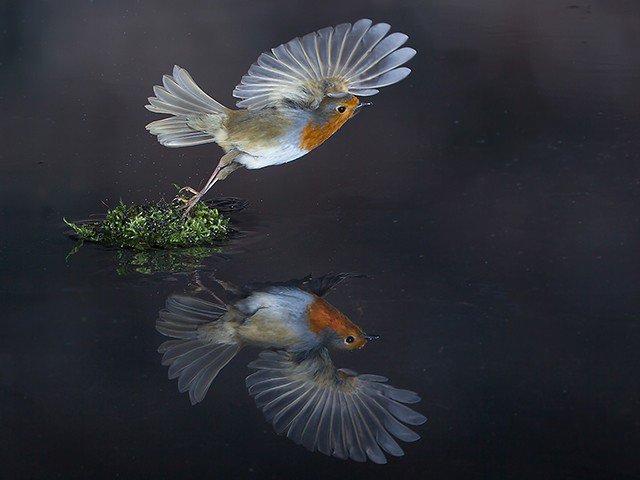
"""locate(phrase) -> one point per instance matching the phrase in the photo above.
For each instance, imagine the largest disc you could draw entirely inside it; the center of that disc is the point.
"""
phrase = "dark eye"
(349, 339)
(342, 109)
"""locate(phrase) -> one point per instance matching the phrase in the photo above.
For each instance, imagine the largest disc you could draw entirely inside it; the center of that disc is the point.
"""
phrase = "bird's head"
(331, 114)
(340, 109)
(337, 330)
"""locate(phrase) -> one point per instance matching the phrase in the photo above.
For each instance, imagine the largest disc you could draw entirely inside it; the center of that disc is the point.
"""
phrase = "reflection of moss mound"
(157, 225)
(162, 261)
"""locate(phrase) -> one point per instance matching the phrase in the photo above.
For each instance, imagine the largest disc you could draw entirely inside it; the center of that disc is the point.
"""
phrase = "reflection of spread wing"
(324, 284)
(356, 58)
(336, 412)
(319, 286)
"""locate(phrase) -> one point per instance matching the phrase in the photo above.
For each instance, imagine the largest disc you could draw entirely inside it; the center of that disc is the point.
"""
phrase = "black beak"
(358, 107)
(371, 337)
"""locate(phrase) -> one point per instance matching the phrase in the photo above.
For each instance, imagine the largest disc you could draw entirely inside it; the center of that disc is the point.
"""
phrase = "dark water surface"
(492, 197)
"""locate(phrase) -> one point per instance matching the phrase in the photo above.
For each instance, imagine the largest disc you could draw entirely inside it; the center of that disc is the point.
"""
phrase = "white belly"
(271, 156)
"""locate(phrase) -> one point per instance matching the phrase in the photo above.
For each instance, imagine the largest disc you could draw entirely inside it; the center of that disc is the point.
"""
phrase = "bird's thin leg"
(220, 172)
(203, 287)
(228, 286)
(200, 193)
(224, 168)
(226, 171)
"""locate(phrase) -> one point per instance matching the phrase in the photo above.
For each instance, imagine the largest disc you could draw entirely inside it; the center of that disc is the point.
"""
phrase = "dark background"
(492, 196)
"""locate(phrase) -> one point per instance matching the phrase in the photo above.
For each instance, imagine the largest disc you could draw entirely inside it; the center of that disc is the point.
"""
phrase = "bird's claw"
(181, 193)
(189, 204)
(188, 189)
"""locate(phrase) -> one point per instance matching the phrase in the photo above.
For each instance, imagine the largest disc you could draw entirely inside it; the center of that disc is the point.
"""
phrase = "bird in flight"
(334, 411)
(291, 100)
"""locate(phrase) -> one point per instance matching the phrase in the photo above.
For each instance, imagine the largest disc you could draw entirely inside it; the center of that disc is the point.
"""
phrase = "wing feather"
(367, 433)
(299, 422)
(355, 59)
(309, 49)
(388, 78)
(308, 435)
(351, 43)
(343, 436)
(194, 358)
(282, 420)
(391, 61)
(361, 53)
(273, 64)
(297, 50)
(338, 42)
(286, 56)
(356, 452)
(323, 44)
(381, 50)
(383, 438)
(323, 432)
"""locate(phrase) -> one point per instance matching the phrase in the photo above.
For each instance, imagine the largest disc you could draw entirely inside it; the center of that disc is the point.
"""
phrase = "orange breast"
(314, 134)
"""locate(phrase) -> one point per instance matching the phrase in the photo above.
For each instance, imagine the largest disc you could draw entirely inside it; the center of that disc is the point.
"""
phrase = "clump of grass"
(155, 225)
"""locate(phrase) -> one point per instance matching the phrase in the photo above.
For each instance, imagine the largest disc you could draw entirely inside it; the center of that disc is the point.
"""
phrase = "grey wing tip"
(151, 108)
(195, 399)
(377, 458)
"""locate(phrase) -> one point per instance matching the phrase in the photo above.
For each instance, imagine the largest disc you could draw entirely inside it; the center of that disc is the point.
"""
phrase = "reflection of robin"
(336, 412)
(293, 98)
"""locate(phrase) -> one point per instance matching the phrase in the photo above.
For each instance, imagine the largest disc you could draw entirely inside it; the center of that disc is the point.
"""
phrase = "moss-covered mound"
(155, 225)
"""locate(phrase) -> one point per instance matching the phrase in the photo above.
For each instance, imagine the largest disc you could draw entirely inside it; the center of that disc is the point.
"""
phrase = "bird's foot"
(183, 194)
(188, 203)
(189, 190)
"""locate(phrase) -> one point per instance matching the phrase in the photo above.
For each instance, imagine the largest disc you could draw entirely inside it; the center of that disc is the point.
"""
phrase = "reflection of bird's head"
(340, 332)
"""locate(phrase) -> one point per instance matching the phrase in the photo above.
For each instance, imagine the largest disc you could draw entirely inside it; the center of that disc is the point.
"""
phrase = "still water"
(491, 199)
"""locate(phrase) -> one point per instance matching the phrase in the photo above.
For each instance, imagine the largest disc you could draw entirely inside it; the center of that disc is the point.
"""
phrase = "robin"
(334, 411)
(292, 99)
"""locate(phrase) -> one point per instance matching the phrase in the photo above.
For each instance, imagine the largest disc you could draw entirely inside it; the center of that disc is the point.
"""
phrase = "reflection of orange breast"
(322, 315)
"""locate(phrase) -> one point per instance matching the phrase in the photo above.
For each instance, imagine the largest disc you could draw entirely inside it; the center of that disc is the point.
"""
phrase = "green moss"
(155, 225)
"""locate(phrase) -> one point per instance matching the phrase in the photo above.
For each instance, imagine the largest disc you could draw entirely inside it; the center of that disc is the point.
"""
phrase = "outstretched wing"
(356, 59)
(336, 412)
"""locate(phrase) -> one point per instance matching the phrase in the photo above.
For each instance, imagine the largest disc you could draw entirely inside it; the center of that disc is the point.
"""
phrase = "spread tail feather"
(202, 348)
(196, 116)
